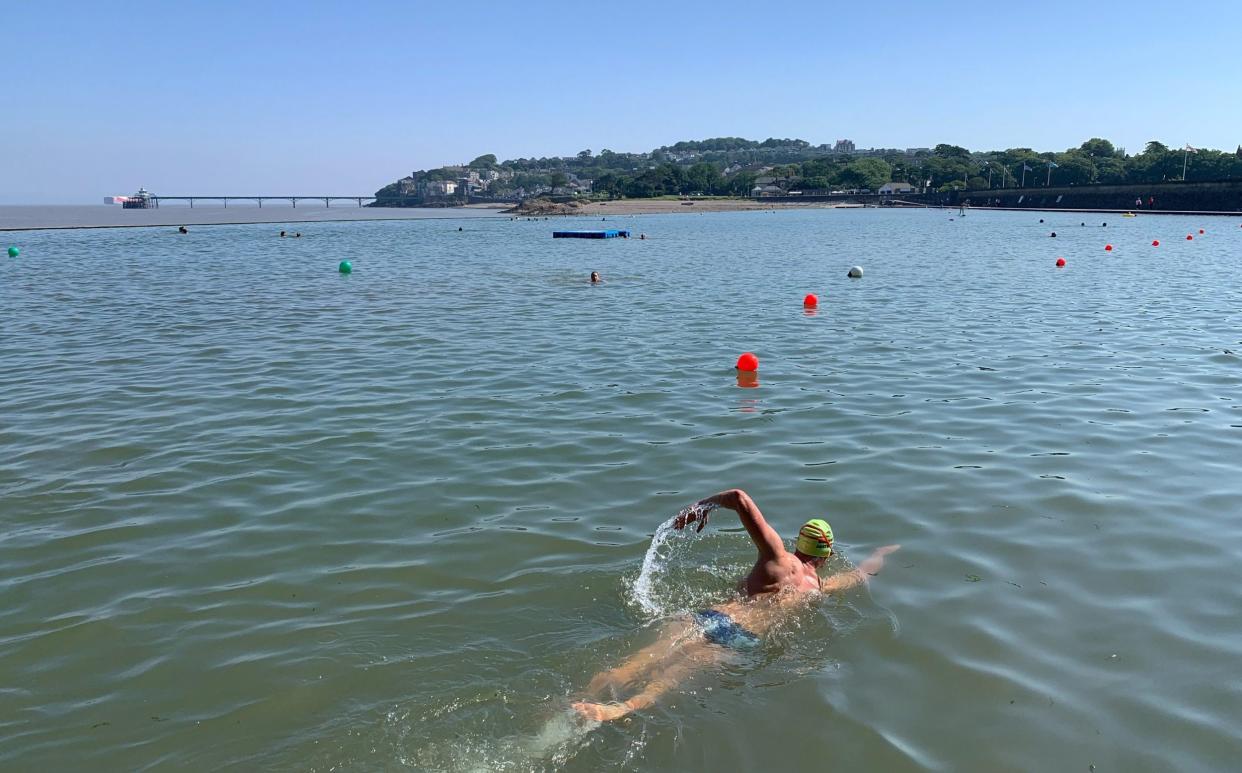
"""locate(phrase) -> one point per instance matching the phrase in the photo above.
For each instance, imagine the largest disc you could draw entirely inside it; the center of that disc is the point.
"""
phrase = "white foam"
(655, 563)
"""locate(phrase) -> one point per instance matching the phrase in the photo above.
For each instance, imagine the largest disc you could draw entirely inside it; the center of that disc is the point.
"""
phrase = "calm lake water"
(262, 515)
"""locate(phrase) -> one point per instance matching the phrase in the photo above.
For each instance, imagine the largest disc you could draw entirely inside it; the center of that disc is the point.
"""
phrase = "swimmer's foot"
(601, 712)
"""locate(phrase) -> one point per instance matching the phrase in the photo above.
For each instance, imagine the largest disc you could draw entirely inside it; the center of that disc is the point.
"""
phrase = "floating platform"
(610, 234)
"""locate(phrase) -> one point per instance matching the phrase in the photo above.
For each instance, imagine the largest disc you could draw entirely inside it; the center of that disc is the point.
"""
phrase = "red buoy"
(1060, 262)
(1200, 230)
(1155, 242)
(1190, 238)
(810, 301)
(748, 362)
(1108, 248)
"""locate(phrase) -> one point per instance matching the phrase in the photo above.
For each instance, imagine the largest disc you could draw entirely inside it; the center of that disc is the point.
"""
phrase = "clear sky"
(339, 98)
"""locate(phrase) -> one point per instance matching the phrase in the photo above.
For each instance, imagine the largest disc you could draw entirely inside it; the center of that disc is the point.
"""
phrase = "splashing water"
(656, 562)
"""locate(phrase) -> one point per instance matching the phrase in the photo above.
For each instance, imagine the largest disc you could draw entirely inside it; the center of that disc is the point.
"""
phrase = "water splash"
(658, 557)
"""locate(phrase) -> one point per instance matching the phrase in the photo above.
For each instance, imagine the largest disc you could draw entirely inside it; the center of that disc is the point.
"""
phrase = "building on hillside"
(440, 188)
(844, 146)
(767, 190)
(896, 187)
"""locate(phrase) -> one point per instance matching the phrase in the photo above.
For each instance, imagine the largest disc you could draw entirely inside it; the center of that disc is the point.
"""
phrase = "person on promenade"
(776, 584)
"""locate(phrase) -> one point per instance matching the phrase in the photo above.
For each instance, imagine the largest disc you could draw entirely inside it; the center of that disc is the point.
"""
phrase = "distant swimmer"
(459, 228)
(1053, 234)
(642, 236)
(297, 235)
(595, 278)
(183, 230)
(773, 589)
(282, 234)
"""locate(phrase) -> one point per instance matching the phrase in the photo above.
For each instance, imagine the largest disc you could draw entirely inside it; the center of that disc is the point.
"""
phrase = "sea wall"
(1220, 196)
(1223, 196)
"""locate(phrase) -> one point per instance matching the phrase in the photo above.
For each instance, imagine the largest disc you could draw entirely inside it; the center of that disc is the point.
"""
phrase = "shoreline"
(619, 208)
(487, 212)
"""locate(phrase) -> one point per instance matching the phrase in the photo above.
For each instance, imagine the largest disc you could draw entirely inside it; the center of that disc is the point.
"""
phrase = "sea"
(257, 514)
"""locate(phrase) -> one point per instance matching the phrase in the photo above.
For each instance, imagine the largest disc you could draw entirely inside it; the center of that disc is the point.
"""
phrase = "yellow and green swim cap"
(815, 538)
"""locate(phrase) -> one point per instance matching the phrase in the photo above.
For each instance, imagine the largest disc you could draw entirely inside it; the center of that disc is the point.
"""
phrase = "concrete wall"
(1223, 196)
(1192, 197)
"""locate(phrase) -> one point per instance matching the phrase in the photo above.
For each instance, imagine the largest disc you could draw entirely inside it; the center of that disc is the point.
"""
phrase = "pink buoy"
(748, 362)
(810, 301)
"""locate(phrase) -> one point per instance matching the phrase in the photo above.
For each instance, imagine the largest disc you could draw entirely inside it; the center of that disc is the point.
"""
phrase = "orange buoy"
(810, 301)
(1108, 248)
(1155, 242)
(1060, 262)
(748, 362)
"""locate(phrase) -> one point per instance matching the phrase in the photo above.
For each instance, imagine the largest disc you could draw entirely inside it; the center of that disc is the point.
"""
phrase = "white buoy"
(855, 272)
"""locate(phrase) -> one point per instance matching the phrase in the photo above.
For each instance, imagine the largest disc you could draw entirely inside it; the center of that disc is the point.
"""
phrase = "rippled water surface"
(259, 514)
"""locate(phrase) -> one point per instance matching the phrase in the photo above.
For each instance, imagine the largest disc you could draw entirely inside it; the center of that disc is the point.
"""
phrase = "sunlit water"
(256, 513)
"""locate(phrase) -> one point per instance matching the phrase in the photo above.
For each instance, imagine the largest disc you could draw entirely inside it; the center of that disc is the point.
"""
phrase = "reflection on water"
(255, 515)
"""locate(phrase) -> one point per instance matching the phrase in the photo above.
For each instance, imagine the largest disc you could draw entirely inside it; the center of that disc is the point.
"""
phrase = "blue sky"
(311, 97)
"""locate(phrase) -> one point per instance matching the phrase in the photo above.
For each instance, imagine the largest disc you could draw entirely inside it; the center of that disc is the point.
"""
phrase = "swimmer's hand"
(699, 511)
(871, 565)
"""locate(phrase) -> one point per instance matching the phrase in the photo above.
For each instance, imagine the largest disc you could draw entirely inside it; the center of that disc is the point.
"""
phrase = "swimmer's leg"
(672, 671)
(646, 659)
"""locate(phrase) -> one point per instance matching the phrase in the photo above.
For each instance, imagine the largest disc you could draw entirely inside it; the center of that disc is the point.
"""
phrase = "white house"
(896, 187)
(441, 188)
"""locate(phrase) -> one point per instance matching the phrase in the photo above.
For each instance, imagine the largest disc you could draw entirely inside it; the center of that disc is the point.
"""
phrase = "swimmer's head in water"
(815, 539)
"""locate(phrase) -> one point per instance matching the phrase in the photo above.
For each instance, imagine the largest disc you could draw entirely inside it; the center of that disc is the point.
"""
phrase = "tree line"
(732, 166)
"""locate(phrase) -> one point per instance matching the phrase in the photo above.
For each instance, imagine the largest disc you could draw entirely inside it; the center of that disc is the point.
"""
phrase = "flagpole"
(1023, 183)
(1048, 182)
(1185, 160)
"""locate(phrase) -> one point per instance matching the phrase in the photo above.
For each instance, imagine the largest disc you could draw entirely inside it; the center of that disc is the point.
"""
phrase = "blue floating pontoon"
(590, 234)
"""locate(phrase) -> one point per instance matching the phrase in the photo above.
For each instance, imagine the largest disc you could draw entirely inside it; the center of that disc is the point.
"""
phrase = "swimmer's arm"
(766, 539)
(868, 568)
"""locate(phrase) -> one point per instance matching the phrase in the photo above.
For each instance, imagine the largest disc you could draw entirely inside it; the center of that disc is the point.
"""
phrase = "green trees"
(865, 173)
(730, 166)
(701, 178)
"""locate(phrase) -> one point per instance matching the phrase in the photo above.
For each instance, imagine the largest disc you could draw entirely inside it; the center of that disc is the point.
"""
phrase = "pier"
(327, 200)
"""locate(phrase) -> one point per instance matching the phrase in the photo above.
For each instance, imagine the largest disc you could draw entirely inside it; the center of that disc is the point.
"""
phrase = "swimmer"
(777, 582)
(282, 234)
(297, 235)
(595, 278)
(1053, 234)
(642, 236)
(183, 230)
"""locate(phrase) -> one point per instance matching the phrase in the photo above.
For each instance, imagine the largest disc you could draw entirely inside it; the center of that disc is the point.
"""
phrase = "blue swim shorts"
(719, 628)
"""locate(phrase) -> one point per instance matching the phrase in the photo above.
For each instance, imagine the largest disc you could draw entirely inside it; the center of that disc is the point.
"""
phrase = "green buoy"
(346, 267)
(14, 252)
